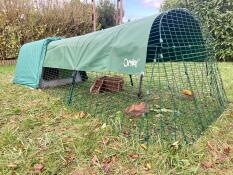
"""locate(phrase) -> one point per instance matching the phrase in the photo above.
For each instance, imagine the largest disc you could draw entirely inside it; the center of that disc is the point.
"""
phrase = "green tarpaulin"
(30, 61)
(120, 49)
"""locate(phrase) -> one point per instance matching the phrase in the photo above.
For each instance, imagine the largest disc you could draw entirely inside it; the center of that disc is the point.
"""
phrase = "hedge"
(33, 20)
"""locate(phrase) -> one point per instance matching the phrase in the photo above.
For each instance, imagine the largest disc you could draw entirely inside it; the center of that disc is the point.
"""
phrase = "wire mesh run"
(53, 77)
(177, 97)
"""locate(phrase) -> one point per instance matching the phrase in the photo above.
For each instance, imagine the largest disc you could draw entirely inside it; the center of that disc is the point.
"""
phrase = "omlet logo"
(130, 63)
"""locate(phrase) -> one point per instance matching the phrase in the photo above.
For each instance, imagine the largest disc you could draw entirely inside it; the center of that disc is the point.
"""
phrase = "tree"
(106, 13)
(217, 17)
(170, 4)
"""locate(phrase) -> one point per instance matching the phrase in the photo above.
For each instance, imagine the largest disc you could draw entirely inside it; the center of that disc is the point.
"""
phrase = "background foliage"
(36, 19)
(217, 16)
(106, 13)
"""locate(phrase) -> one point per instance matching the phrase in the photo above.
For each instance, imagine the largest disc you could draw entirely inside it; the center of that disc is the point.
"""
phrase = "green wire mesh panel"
(185, 76)
(53, 77)
(181, 88)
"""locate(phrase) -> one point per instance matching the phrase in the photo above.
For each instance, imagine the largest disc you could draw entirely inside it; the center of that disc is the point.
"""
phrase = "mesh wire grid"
(179, 58)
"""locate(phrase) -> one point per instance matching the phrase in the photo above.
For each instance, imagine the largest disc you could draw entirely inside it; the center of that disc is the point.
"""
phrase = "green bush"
(106, 13)
(33, 20)
(217, 16)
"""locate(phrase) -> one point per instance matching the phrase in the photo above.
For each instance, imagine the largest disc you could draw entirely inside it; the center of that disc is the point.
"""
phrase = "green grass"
(36, 127)
(189, 119)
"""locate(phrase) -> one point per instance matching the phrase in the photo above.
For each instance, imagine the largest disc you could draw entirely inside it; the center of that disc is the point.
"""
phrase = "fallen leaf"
(143, 146)
(134, 125)
(107, 160)
(231, 126)
(187, 92)
(175, 145)
(126, 133)
(81, 114)
(226, 150)
(134, 156)
(207, 165)
(137, 110)
(38, 168)
(210, 146)
(158, 116)
(98, 151)
(95, 160)
(132, 171)
(222, 157)
(67, 139)
(104, 126)
(69, 159)
(106, 167)
(105, 140)
(12, 166)
(148, 166)
(114, 159)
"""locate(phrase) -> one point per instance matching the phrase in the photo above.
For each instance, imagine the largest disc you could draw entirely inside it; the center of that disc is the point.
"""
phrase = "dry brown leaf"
(38, 168)
(187, 92)
(107, 160)
(231, 126)
(226, 150)
(104, 126)
(106, 167)
(69, 159)
(67, 139)
(114, 159)
(137, 110)
(143, 146)
(95, 160)
(105, 140)
(158, 116)
(222, 157)
(209, 145)
(133, 172)
(12, 166)
(175, 145)
(98, 150)
(126, 133)
(81, 114)
(148, 166)
(207, 164)
(134, 156)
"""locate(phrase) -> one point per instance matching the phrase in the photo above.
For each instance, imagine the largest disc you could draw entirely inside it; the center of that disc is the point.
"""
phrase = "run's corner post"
(140, 85)
(147, 135)
(71, 91)
(131, 80)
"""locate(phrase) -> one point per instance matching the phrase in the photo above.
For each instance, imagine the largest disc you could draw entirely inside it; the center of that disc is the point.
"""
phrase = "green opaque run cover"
(30, 61)
(120, 49)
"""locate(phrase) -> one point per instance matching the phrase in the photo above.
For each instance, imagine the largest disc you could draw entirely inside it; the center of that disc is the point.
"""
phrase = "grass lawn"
(38, 134)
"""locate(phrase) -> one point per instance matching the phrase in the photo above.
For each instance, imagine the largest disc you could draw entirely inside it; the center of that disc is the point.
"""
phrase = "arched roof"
(176, 35)
(126, 48)
(120, 49)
